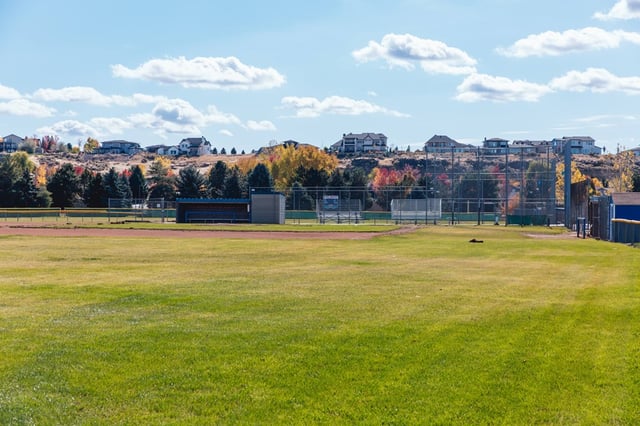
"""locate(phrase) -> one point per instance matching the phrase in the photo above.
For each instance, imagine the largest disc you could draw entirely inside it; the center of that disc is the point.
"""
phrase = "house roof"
(195, 142)
(364, 135)
(626, 198)
(120, 141)
(443, 139)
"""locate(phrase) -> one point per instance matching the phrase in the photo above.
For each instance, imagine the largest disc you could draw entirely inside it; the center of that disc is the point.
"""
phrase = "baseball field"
(414, 325)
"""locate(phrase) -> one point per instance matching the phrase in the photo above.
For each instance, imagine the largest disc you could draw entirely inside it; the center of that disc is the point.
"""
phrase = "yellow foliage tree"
(246, 164)
(41, 175)
(622, 179)
(576, 176)
(284, 161)
(91, 145)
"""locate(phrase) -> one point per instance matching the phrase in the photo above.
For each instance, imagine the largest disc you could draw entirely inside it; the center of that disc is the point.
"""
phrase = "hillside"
(593, 166)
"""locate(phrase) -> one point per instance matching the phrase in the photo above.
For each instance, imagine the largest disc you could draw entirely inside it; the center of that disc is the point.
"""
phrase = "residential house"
(195, 146)
(119, 147)
(495, 146)
(172, 151)
(578, 144)
(157, 149)
(444, 144)
(361, 143)
(635, 151)
(531, 147)
(10, 143)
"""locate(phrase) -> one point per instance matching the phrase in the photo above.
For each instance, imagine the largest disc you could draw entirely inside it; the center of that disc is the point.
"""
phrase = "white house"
(195, 146)
(578, 144)
(358, 143)
(444, 144)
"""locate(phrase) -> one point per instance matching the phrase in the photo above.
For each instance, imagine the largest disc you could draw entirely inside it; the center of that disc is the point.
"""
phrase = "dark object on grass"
(473, 240)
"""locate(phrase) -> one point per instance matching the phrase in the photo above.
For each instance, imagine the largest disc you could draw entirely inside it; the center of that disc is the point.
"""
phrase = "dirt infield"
(44, 231)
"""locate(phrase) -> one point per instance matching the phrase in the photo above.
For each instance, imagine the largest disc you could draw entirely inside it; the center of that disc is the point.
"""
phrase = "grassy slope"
(403, 329)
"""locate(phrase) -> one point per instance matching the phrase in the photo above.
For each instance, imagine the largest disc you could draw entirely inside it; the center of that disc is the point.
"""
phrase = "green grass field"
(418, 328)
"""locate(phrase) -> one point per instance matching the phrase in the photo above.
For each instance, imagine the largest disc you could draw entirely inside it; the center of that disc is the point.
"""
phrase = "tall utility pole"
(453, 203)
(567, 184)
(506, 186)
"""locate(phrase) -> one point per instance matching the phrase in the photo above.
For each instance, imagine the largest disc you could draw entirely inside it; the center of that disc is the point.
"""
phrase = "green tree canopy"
(138, 183)
(191, 183)
(233, 184)
(260, 178)
(64, 186)
(217, 176)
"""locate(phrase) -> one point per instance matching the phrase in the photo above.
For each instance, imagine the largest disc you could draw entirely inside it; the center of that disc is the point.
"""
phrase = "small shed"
(625, 205)
(624, 212)
(268, 208)
(212, 210)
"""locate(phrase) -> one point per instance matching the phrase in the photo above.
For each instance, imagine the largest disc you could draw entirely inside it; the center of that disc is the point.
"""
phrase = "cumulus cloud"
(25, 107)
(95, 127)
(623, 9)
(8, 92)
(92, 96)
(259, 126)
(482, 87)
(110, 125)
(551, 43)
(70, 128)
(337, 105)
(179, 116)
(597, 80)
(204, 72)
(403, 50)
(225, 132)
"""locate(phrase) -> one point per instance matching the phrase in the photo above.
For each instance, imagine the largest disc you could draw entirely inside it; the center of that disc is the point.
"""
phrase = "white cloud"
(218, 117)
(96, 127)
(179, 116)
(403, 50)
(8, 92)
(259, 126)
(601, 117)
(204, 72)
(338, 105)
(372, 93)
(482, 87)
(92, 96)
(25, 107)
(112, 126)
(225, 132)
(623, 9)
(70, 128)
(551, 43)
(597, 80)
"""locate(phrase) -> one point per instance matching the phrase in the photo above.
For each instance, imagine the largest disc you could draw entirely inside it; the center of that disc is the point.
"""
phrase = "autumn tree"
(162, 180)
(190, 183)
(388, 183)
(91, 145)
(576, 176)
(285, 161)
(622, 178)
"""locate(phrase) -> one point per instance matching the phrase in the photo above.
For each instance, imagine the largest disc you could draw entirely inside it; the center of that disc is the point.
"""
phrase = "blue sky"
(244, 73)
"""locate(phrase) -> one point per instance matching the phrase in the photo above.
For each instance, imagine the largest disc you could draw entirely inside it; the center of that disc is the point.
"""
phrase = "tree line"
(302, 173)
